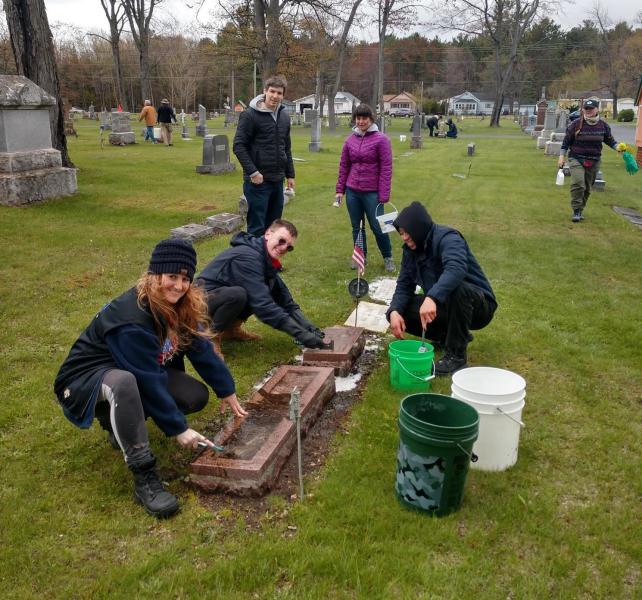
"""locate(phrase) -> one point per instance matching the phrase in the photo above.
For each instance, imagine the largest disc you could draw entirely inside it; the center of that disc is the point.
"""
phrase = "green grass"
(563, 523)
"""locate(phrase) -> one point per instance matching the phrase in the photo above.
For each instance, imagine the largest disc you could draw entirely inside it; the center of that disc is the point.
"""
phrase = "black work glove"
(302, 336)
(300, 319)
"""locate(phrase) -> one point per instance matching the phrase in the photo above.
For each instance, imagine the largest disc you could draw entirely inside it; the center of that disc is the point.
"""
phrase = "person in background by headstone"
(166, 115)
(452, 129)
(365, 175)
(128, 365)
(263, 146)
(432, 123)
(583, 143)
(455, 294)
(244, 280)
(148, 114)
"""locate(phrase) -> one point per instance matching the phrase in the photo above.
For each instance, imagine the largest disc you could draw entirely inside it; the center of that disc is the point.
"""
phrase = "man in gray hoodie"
(262, 145)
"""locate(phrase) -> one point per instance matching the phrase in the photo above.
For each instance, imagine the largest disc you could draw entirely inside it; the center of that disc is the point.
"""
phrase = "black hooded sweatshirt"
(441, 261)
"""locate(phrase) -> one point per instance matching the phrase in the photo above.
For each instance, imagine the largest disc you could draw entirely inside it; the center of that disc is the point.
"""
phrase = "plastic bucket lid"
(489, 384)
(488, 401)
(494, 409)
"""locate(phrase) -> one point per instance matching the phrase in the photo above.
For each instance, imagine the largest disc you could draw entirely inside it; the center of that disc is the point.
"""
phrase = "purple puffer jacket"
(366, 164)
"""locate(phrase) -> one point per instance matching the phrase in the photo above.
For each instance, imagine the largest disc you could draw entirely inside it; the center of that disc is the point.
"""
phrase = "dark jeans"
(225, 305)
(264, 205)
(119, 406)
(466, 309)
(365, 203)
(431, 128)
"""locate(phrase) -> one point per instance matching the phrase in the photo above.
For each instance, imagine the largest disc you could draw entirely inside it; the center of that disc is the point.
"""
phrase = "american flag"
(358, 255)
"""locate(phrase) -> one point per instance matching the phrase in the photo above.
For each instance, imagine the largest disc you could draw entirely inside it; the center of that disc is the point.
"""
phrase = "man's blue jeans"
(365, 203)
(149, 134)
(264, 205)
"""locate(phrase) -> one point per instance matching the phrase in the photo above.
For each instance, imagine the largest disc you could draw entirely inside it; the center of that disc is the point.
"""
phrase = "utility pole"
(254, 96)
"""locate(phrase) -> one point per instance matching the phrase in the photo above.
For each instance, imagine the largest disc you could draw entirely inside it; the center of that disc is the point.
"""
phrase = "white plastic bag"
(559, 180)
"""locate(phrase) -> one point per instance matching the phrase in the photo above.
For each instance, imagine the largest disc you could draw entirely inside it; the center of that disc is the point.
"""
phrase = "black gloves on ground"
(306, 338)
(300, 319)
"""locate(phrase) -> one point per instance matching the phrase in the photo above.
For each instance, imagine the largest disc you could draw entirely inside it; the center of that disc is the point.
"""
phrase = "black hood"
(416, 222)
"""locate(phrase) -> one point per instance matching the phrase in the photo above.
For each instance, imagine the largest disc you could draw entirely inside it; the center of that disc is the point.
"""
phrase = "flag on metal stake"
(358, 255)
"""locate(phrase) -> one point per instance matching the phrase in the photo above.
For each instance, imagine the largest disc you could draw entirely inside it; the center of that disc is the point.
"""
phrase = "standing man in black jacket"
(262, 145)
(166, 115)
(456, 296)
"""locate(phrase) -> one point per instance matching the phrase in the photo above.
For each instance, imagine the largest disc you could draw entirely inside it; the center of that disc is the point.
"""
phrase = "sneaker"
(389, 264)
(450, 363)
(577, 216)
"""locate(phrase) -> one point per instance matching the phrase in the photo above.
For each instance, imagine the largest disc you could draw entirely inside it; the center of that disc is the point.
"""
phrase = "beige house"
(393, 102)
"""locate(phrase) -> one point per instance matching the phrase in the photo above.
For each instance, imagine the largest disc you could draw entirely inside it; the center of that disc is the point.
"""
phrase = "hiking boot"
(577, 216)
(450, 363)
(151, 493)
(389, 264)
(236, 332)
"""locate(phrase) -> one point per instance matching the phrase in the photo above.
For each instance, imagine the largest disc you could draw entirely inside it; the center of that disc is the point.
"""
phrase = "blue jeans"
(365, 203)
(264, 205)
(149, 133)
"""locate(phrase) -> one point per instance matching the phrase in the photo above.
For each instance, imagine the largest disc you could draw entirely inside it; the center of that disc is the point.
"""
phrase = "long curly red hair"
(184, 320)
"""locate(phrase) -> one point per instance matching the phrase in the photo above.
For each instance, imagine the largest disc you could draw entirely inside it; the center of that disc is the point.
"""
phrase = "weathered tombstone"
(315, 135)
(550, 121)
(105, 120)
(348, 346)
(121, 129)
(599, 184)
(216, 156)
(552, 148)
(541, 107)
(230, 118)
(92, 112)
(471, 148)
(524, 121)
(225, 222)
(30, 168)
(416, 142)
(201, 128)
(562, 121)
(309, 114)
(191, 232)
(243, 208)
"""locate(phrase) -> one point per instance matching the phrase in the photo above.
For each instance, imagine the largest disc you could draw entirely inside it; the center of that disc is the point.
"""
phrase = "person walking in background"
(583, 142)
(166, 115)
(128, 365)
(263, 146)
(148, 114)
(365, 175)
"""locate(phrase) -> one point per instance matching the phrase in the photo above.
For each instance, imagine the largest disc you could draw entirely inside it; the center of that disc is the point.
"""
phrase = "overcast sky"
(88, 15)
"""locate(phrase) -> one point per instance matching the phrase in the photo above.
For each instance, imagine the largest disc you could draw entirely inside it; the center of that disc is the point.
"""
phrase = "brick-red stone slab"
(256, 475)
(348, 346)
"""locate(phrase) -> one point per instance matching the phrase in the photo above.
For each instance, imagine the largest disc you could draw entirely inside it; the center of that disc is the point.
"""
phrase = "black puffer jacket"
(248, 265)
(441, 261)
(262, 143)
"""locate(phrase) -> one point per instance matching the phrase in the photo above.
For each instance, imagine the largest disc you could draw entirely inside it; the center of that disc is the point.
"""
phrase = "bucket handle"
(520, 423)
(383, 205)
(473, 457)
(425, 380)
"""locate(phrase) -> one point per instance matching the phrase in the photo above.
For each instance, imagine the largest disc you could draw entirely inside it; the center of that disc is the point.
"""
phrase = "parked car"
(402, 112)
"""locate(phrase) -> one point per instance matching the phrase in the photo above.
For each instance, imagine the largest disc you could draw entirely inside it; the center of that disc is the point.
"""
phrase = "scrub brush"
(629, 161)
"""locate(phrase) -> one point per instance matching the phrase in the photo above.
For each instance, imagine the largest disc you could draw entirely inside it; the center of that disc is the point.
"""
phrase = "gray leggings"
(119, 396)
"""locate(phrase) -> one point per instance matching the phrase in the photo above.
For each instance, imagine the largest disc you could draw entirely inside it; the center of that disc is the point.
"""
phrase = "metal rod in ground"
(295, 416)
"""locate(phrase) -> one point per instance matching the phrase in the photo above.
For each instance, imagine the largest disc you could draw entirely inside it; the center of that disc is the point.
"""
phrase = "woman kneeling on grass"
(128, 365)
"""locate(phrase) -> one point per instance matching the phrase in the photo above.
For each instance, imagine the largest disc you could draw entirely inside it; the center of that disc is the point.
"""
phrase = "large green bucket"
(411, 370)
(436, 437)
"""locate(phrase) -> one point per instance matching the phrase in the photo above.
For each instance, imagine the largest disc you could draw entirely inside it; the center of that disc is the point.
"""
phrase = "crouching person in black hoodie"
(456, 295)
(128, 365)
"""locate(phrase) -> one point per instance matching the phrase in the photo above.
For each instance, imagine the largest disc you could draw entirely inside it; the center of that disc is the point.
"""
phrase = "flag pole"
(356, 310)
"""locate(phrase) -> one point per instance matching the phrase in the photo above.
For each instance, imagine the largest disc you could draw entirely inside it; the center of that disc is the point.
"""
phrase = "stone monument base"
(122, 139)
(416, 143)
(215, 169)
(26, 187)
(314, 146)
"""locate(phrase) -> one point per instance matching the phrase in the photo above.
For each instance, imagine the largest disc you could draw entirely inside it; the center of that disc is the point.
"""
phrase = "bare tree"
(139, 14)
(504, 23)
(115, 13)
(33, 51)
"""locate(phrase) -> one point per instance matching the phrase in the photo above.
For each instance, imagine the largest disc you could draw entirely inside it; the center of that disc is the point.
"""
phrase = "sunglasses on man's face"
(284, 242)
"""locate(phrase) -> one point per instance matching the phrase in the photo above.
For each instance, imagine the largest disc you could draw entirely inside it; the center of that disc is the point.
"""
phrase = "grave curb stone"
(191, 232)
(224, 222)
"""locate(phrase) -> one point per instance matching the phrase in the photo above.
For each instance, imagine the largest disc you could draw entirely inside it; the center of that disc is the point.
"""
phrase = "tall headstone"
(550, 121)
(30, 168)
(216, 156)
(416, 141)
(201, 128)
(105, 120)
(315, 135)
(92, 112)
(122, 133)
(540, 109)
(562, 121)
(309, 114)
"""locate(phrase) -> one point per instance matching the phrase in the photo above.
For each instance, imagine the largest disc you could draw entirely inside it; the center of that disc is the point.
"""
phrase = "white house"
(343, 102)
(473, 103)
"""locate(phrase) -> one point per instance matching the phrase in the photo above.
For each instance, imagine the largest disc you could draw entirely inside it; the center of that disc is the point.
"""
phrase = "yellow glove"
(621, 147)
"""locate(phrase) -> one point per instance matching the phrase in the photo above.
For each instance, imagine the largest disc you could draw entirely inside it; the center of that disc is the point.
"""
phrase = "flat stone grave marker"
(348, 346)
(225, 222)
(630, 215)
(257, 447)
(370, 316)
(382, 289)
(192, 232)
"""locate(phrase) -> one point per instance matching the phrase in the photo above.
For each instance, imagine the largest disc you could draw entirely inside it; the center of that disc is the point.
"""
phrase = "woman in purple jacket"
(365, 172)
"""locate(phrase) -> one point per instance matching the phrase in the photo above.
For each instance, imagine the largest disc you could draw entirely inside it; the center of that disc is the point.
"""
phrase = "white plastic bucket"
(157, 133)
(402, 138)
(386, 219)
(499, 398)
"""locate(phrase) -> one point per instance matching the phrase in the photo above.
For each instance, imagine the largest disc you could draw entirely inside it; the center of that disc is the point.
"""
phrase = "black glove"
(300, 319)
(302, 336)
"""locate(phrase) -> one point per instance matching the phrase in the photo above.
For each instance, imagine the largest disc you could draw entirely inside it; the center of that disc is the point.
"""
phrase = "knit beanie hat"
(172, 256)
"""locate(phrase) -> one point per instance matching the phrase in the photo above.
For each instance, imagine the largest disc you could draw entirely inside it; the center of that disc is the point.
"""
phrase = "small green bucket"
(411, 370)
(436, 437)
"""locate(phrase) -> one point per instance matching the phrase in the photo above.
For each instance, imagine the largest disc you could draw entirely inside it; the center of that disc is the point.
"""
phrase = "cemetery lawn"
(563, 523)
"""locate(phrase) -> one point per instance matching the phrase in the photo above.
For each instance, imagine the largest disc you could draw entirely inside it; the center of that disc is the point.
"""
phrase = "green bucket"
(436, 437)
(411, 370)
